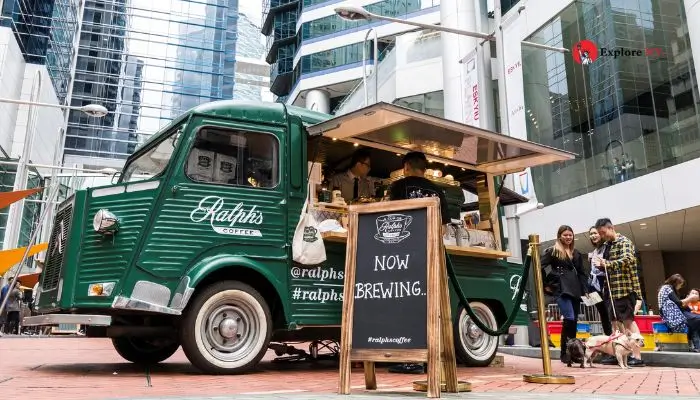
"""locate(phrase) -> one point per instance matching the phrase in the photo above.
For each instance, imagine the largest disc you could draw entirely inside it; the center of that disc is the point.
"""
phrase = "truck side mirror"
(115, 177)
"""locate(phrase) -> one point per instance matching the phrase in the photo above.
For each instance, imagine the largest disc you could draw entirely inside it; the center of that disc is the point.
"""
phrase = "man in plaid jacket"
(625, 290)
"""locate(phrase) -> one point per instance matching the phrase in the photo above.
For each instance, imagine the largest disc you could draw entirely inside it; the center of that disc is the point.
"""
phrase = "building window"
(154, 161)
(234, 157)
(390, 8)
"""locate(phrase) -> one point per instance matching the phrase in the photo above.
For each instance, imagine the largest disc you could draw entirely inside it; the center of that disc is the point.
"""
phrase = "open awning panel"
(398, 129)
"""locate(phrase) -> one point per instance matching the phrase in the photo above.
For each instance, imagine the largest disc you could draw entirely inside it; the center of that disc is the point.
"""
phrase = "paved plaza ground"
(83, 368)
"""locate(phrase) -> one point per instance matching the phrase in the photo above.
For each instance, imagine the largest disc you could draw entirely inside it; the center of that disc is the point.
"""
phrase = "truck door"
(226, 197)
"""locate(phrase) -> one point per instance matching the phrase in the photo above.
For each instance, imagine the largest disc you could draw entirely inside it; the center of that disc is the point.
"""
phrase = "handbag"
(307, 244)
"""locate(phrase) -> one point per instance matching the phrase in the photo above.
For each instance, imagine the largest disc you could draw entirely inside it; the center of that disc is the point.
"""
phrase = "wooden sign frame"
(440, 339)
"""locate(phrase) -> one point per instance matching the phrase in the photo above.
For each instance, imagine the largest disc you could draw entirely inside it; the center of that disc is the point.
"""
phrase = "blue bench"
(666, 340)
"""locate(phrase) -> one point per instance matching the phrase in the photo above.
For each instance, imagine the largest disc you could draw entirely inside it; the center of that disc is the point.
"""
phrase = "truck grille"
(57, 246)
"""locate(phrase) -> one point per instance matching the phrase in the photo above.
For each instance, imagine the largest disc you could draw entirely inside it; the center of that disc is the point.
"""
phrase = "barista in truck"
(415, 185)
(356, 182)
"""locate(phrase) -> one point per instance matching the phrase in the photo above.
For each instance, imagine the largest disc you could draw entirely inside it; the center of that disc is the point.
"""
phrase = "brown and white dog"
(619, 345)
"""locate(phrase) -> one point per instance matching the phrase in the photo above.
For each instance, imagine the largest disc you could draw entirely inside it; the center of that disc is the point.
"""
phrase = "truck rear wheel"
(226, 329)
(144, 350)
(473, 346)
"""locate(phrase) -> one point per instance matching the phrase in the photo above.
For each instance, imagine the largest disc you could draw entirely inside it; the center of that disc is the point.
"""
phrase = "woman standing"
(566, 280)
(675, 312)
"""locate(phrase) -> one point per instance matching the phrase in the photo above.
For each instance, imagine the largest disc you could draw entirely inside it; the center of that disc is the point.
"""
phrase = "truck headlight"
(105, 222)
(101, 289)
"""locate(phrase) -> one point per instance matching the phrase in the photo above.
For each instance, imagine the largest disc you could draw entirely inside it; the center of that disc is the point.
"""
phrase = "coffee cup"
(392, 226)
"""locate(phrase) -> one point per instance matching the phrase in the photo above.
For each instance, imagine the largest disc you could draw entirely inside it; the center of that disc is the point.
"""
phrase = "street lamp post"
(356, 13)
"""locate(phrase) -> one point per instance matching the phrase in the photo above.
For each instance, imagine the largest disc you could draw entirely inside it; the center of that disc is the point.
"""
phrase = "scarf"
(595, 272)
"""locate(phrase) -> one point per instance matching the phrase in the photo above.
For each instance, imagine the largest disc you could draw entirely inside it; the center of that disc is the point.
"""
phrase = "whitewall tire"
(226, 329)
(473, 346)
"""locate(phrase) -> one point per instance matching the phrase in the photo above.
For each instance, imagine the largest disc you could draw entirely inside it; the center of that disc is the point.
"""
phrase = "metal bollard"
(546, 377)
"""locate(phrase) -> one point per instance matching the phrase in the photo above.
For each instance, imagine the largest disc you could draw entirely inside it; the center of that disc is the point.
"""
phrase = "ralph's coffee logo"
(204, 161)
(391, 228)
(228, 221)
(226, 167)
(310, 234)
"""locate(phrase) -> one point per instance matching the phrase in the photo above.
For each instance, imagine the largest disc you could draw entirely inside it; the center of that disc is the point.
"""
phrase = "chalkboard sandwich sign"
(395, 304)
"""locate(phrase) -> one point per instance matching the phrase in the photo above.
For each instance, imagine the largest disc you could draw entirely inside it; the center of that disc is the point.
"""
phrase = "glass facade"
(45, 30)
(280, 25)
(309, 3)
(147, 61)
(624, 116)
(333, 58)
(281, 30)
(389, 8)
(507, 5)
(432, 103)
(252, 73)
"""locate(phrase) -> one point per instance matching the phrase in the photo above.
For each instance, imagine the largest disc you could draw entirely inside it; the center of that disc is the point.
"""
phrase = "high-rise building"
(147, 62)
(252, 72)
(44, 30)
(321, 61)
(36, 49)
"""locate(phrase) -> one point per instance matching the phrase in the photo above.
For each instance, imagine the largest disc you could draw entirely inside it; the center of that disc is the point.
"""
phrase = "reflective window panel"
(630, 111)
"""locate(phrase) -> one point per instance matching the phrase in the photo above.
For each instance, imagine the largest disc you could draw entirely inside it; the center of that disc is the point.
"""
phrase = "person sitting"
(356, 182)
(675, 312)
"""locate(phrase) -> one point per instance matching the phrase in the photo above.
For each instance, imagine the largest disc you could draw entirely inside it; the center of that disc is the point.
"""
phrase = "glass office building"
(252, 72)
(45, 31)
(147, 61)
(280, 25)
(624, 116)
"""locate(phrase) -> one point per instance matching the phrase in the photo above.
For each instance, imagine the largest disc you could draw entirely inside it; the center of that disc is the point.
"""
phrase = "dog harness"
(610, 339)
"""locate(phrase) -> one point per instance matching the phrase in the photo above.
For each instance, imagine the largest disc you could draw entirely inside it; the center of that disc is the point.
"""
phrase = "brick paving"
(83, 368)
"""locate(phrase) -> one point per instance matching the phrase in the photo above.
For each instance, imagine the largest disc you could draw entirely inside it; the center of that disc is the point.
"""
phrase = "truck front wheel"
(226, 329)
(144, 350)
(474, 347)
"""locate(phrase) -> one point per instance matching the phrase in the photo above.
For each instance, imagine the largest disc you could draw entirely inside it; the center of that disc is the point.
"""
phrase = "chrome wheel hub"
(228, 327)
(229, 331)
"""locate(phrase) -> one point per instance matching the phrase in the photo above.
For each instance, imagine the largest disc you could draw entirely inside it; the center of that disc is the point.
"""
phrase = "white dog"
(618, 345)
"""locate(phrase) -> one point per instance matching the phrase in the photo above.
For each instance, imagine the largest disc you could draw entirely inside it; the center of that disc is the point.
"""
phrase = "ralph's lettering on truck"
(226, 221)
(318, 285)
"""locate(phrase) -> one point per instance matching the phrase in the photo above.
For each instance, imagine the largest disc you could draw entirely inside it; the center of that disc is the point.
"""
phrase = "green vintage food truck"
(192, 246)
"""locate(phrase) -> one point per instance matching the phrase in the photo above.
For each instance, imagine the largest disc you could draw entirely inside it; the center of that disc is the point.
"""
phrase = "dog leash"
(607, 283)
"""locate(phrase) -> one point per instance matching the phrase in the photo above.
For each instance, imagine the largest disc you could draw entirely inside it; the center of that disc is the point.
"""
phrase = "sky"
(251, 8)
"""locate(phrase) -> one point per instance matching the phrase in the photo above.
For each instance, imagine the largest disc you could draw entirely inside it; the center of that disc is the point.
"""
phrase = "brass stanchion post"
(547, 376)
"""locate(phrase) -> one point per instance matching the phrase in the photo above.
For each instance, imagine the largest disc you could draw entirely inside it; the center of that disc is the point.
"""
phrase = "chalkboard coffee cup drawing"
(391, 228)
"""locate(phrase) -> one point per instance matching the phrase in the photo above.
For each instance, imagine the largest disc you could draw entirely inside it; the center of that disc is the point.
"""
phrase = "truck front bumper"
(55, 319)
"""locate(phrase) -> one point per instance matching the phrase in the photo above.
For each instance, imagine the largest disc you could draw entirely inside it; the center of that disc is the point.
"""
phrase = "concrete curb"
(651, 358)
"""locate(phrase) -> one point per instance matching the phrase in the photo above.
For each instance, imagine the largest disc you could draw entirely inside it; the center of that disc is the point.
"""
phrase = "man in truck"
(415, 185)
(356, 182)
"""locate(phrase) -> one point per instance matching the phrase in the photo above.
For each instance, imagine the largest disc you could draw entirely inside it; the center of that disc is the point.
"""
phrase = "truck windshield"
(154, 161)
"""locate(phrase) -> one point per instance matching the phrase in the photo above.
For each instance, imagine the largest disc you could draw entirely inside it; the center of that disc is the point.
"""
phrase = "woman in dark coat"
(565, 280)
